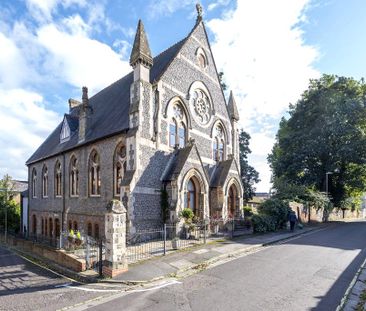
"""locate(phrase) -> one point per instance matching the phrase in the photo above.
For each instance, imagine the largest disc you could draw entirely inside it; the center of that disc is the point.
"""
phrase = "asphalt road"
(26, 286)
(307, 273)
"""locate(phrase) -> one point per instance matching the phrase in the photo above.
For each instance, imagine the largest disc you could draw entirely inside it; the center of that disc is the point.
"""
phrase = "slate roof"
(221, 173)
(177, 162)
(110, 111)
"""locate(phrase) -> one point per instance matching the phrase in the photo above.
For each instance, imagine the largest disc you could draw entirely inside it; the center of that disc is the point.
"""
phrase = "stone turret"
(83, 114)
(141, 59)
(234, 118)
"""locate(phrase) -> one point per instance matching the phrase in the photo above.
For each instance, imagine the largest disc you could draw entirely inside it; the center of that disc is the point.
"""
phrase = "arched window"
(58, 179)
(191, 195)
(119, 168)
(57, 228)
(90, 229)
(75, 226)
(172, 133)
(218, 149)
(45, 226)
(50, 227)
(177, 127)
(34, 183)
(96, 231)
(34, 225)
(45, 182)
(70, 225)
(201, 58)
(42, 226)
(74, 177)
(94, 173)
(182, 135)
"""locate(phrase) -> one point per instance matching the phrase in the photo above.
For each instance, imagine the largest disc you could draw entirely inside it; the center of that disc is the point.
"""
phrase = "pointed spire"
(199, 13)
(141, 50)
(233, 110)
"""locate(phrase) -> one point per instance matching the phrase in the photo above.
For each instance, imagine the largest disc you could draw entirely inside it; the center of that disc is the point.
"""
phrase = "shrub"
(263, 223)
(187, 214)
(247, 211)
(277, 209)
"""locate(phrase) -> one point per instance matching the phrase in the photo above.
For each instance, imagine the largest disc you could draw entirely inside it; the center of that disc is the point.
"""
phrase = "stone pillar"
(115, 234)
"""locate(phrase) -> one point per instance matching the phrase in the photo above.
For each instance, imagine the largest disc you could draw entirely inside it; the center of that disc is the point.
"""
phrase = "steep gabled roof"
(221, 173)
(110, 111)
(176, 164)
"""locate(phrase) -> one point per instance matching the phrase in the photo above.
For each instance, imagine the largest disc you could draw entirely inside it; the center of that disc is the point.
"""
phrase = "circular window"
(201, 106)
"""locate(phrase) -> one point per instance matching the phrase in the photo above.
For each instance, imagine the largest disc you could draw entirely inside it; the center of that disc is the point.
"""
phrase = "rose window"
(201, 107)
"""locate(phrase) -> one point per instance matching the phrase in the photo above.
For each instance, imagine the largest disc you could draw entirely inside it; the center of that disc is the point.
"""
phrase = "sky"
(268, 51)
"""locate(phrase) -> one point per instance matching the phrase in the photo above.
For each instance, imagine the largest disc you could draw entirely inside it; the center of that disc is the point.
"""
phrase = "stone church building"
(165, 125)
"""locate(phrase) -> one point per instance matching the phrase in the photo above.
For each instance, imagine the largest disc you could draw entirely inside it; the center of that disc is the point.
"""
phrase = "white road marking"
(154, 288)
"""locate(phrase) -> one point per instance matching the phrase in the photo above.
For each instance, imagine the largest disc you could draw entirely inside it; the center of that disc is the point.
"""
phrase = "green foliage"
(263, 223)
(247, 211)
(325, 132)
(300, 194)
(187, 214)
(78, 235)
(249, 176)
(276, 209)
(164, 197)
(7, 203)
(71, 233)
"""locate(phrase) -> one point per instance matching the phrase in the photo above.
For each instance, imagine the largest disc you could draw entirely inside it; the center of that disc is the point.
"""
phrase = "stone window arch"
(201, 58)
(94, 174)
(34, 183)
(45, 181)
(90, 229)
(219, 143)
(119, 167)
(34, 224)
(74, 176)
(96, 231)
(58, 179)
(177, 125)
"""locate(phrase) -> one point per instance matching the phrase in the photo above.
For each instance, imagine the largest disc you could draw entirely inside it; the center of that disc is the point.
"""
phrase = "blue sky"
(268, 50)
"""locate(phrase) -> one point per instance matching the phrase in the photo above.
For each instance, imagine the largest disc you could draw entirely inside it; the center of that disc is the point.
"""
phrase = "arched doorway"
(193, 197)
(232, 205)
(57, 228)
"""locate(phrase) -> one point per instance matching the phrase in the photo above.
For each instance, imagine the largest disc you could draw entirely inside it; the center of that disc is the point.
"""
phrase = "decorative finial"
(199, 13)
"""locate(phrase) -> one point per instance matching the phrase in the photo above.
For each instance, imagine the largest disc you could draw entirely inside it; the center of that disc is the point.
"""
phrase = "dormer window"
(65, 132)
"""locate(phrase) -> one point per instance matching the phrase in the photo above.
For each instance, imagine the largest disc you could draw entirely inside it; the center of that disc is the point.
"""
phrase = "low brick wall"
(58, 256)
(317, 215)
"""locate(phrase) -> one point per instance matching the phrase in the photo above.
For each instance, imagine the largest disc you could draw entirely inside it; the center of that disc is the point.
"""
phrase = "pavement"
(355, 296)
(186, 262)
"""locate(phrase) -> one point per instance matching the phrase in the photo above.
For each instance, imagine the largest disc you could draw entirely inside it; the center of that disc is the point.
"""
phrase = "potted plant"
(71, 236)
(78, 239)
(175, 242)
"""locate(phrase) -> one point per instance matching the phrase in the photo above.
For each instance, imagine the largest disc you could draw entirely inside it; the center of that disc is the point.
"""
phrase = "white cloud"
(266, 64)
(79, 60)
(24, 124)
(216, 4)
(158, 8)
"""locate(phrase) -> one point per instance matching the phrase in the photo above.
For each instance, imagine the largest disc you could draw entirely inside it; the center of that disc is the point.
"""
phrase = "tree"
(249, 176)
(7, 202)
(325, 132)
